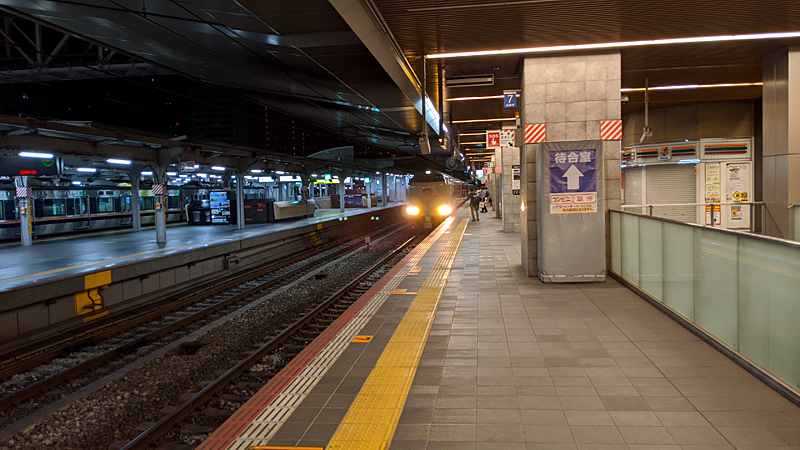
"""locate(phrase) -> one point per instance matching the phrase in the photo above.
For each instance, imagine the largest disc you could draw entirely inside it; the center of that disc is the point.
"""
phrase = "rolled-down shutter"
(670, 184)
(634, 188)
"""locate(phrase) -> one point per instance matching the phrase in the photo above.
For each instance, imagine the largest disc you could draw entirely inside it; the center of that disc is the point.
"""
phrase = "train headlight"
(412, 210)
(445, 210)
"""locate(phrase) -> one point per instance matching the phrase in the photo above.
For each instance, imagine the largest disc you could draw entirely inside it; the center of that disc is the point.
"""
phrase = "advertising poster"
(573, 182)
(712, 173)
(738, 182)
(713, 193)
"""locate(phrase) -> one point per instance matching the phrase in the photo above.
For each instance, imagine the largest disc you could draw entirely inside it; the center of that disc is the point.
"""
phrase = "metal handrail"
(759, 237)
(650, 205)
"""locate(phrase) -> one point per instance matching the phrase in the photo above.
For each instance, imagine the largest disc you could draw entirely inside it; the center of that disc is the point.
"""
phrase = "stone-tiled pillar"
(571, 95)
(781, 154)
(510, 212)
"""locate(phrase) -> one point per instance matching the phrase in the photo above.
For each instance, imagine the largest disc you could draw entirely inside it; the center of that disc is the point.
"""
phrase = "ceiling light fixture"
(124, 162)
(482, 133)
(484, 120)
(36, 155)
(486, 97)
(691, 86)
(622, 44)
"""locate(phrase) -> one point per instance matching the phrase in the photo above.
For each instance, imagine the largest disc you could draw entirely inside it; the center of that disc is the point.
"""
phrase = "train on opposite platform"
(432, 197)
(73, 209)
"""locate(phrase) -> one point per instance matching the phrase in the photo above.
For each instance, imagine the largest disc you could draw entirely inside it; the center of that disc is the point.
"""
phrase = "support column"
(508, 157)
(239, 201)
(384, 189)
(781, 149)
(160, 194)
(136, 218)
(25, 196)
(341, 193)
(570, 95)
(368, 187)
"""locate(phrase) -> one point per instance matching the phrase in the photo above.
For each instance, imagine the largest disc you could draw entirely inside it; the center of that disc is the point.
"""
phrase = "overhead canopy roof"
(355, 66)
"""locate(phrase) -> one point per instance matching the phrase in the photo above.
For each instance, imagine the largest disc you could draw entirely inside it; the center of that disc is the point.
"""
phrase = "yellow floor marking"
(360, 339)
(371, 421)
(272, 447)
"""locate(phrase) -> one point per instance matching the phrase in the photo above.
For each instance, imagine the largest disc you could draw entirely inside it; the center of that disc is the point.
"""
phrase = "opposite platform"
(60, 283)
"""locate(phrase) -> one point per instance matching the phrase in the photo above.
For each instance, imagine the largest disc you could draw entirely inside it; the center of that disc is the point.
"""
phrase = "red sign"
(28, 172)
(492, 139)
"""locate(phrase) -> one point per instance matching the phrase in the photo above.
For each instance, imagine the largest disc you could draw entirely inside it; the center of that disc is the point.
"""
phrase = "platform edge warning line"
(240, 421)
(372, 419)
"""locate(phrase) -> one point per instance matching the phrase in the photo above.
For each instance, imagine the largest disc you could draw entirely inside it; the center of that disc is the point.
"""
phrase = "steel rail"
(165, 424)
(75, 371)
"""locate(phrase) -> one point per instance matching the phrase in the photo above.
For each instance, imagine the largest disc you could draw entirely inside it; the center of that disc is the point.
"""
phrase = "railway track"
(143, 328)
(249, 373)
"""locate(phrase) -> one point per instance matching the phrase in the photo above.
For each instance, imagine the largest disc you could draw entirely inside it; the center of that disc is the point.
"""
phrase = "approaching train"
(433, 196)
(62, 210)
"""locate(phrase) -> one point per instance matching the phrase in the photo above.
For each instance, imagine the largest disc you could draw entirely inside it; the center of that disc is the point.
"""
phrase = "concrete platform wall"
(31, 312)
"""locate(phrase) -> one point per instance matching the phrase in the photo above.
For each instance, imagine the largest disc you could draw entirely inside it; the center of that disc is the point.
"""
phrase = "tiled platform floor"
(513, 363)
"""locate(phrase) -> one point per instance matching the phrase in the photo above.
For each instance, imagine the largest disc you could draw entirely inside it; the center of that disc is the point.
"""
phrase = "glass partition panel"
(616, 257)
(630, 248)
(795, 214)
(678, 289)
(716, 291)
(650, 272)
(769, 307)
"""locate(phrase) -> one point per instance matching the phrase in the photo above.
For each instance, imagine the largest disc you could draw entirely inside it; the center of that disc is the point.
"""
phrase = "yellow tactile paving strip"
(372, 418)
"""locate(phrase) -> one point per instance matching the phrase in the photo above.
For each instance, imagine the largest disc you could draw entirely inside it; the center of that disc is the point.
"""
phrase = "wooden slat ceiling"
(424, 27)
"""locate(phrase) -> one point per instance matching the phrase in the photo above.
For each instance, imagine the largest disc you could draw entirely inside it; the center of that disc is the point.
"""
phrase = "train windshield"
(427, 178)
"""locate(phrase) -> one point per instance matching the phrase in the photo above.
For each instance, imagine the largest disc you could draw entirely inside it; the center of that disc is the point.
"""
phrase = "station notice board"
(573, 181)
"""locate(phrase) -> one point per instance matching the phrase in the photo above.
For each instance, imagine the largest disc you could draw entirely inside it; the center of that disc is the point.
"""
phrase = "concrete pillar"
(384, 189)
(342, 190)
(509, 157)
(160, 194)
(571, 95)
(240, 201)
(25, 196)
(368, 187)
(136, 218)
(781, 149)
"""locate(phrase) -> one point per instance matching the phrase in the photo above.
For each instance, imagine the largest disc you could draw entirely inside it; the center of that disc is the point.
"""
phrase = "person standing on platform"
(474, 199)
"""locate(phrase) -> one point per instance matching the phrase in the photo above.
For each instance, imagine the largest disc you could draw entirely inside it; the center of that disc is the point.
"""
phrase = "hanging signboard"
(14, 166)
(515, 180)
(573, 182)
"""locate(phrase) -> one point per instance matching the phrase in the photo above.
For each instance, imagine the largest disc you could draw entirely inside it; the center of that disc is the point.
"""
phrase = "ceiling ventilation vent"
(469, 80)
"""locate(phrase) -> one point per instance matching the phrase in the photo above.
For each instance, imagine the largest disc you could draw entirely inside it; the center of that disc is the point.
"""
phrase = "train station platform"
(457, 349)
(82, 276)
(79, 253)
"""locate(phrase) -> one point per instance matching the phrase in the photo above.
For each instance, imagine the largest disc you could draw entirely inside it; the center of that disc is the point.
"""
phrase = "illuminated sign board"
(331, 181)
(14, 166)
(289, 178)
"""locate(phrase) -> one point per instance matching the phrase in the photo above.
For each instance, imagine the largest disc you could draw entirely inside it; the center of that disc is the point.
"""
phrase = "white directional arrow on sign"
(573, 176)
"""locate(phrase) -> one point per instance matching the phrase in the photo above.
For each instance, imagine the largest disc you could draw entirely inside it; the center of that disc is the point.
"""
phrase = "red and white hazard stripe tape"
(24, 192)
(158, 189)
(611, 130)
(535, 133)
